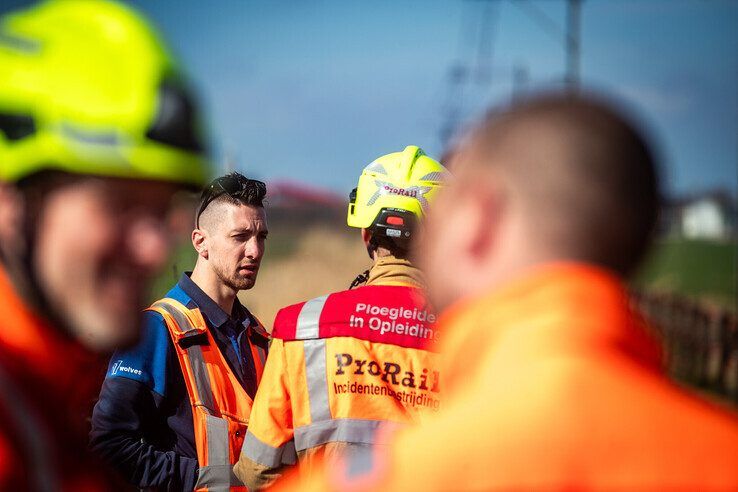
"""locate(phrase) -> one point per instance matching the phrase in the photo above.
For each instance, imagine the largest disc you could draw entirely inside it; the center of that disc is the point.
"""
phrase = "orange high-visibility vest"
(220, 405)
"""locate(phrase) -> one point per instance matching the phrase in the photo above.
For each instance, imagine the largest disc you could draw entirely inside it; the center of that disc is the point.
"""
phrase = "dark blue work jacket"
(142, 423)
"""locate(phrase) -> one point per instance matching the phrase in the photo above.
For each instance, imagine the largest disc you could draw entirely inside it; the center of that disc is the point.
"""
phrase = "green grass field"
(700, 269)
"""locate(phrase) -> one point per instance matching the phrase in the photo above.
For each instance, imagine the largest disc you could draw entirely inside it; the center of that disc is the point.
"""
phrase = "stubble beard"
(233, 281)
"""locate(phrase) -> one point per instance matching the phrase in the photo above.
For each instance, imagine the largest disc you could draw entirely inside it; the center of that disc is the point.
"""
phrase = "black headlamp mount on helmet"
(395, 224)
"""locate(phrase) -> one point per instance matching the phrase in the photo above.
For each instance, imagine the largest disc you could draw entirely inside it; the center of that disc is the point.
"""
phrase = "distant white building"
(704, 219)
(704, 216)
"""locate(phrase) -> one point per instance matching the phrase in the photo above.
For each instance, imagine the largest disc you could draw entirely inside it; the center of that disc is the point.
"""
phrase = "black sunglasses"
(224, 185)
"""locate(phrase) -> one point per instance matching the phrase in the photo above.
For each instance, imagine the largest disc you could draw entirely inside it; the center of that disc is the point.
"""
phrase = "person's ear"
(12, 216)
(483, 215)
(366, 236)
(200, 242)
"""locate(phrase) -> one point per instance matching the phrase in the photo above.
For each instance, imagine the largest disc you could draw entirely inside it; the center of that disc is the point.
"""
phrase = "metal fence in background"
(700, 341)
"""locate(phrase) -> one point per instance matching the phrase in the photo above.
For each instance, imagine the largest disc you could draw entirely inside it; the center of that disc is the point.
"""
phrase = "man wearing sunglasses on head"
(173, 411)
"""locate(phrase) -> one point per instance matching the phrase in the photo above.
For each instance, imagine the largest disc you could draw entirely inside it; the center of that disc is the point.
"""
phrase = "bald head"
(583, 177)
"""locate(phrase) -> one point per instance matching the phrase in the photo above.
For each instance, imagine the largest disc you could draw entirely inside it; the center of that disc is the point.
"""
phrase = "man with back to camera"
(90, 161)
(173, 411)
(343, 363)
(551, 381)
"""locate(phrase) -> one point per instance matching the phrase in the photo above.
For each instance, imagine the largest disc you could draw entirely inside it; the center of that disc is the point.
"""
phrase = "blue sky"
(312, 90)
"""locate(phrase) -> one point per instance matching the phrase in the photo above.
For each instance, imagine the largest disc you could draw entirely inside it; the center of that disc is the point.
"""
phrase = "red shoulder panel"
(285, 323)
(395, 315)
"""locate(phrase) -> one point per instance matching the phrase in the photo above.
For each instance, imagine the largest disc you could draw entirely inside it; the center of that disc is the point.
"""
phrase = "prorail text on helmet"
(401, 191)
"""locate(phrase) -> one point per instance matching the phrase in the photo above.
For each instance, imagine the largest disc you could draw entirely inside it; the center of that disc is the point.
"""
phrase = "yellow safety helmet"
(87, 87)
(394, 191)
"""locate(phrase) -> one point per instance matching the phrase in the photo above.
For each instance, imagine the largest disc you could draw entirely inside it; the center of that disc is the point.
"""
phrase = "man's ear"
(200, 242)
(12, 216)
(366, 236)
(483, 215)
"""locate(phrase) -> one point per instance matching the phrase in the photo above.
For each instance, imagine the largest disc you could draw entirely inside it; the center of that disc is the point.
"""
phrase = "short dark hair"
(234, 188)
(398, 251)
(587, 172)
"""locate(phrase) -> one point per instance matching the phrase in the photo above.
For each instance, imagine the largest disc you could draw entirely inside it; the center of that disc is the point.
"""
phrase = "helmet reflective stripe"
(417, 192)
(435, 176)
(375, 167)
(380, 191)
(402, 181)
(420, 192)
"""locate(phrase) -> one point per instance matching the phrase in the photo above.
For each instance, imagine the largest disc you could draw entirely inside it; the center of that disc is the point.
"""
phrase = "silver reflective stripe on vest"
(308, 319)
(181, 318)
(217, 440)
(202, 380)
(217, 478)
(36, 443)
(341, 430)
(359, 459)
(197, 362)
(317, 382)
(218, 475)
(264, 454)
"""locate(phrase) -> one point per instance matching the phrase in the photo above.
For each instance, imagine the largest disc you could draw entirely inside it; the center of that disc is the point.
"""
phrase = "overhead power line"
(477, 36)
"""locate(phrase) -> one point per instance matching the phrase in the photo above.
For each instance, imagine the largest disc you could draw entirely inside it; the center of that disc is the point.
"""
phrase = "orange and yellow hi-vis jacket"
(341, 366)
(221, 408)
(551, 382)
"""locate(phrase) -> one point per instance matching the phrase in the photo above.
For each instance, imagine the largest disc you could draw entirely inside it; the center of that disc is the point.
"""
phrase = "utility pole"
(573, 28)
(567, 37)
(520, 81)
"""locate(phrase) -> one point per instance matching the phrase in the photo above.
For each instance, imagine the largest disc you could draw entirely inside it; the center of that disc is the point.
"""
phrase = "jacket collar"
(389, 270)
(555, 310)
(214, 314)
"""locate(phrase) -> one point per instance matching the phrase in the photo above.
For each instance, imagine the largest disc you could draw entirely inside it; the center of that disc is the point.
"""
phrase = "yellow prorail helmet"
(87, 87)
(394, 191)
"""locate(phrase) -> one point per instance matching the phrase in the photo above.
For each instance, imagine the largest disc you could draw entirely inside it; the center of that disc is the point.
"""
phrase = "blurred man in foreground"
(173, 410)
(96, 137)
(551, 381)
(344, 363)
